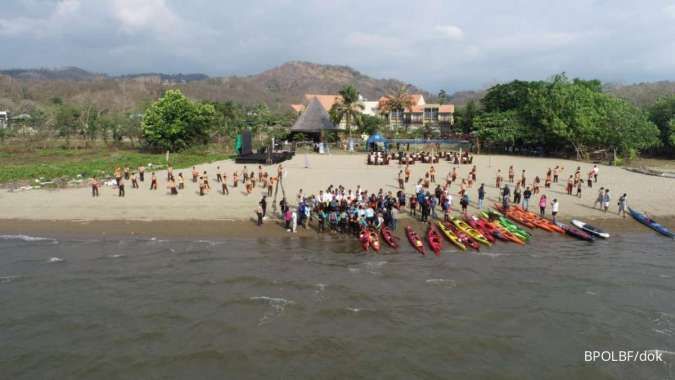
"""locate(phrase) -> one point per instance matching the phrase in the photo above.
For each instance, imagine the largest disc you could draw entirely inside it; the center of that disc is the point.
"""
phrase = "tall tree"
(442, 97)
(663, 115)
(397, 103)
(174, 122)
(348, 108)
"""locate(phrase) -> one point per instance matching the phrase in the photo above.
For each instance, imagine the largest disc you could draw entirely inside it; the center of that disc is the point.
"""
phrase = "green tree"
(371, 124)
(625, 129)
(348, 108)
(662, 113)
(67, 121)
(175, 123)
(442, 97)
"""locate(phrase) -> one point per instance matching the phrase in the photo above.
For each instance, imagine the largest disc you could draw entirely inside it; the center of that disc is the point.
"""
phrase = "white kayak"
(590, 229)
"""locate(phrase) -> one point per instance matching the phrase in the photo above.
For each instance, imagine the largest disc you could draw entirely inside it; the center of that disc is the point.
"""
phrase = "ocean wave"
(116, 256)
(27, 238)
(55, 260)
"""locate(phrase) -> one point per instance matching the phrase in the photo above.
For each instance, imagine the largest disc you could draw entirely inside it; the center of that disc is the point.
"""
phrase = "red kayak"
(389, 237)
(490, 229)
(415, 240)
(374, 240)
(434, 239)
(364, 238)
(473, 222)
(464, 238)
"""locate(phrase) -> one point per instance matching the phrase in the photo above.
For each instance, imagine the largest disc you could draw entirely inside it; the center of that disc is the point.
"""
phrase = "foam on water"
(27, 238)
(442, 282)
(278, 305)
(55, 260)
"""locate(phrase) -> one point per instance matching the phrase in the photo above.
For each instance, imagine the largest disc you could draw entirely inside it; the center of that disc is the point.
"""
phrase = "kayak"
(508, 225)
(415, 240)
(364, 238)
(539, 221)
(434, 239)
(374, 240)
(577, 233)
(463, 237)
(389, 237)
(450, 236)
(488, 233)
(644, 219)
(595, 231)
(515, 216)
(503, 231)
(475, 235)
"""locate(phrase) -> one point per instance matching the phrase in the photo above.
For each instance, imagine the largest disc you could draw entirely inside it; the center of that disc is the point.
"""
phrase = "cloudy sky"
(447, 44)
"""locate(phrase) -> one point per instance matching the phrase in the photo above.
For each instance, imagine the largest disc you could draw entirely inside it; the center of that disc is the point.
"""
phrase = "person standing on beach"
(579, 185)
(556, 172)
(542, 205)
(118, 175)
(523, 180)
(141, 173)
(400, 179)
(516, 194)
(512, 174)
(555, 206)
(506, 194)
(172, 186)
(169, 173)
(195, 174)
(263, 206)
(526, 198)
(94, 187)
(259, 214)
(596, 170)
(464, 202)
(481, 196)
(605, 200)
(219, 177)
(120, 188)
(432, 173)
(598, 199)
(134, 181)
(223, 185)
(407, 173)
(570, 185)
(181, 181)
(126, 173)
(498, 180)
(623, 204)
(153, 182)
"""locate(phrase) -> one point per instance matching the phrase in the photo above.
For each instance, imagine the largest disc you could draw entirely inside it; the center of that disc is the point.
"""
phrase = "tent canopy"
(376, 138)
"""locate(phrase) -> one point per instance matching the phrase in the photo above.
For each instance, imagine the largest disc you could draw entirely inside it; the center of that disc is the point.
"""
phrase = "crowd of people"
(176, 182)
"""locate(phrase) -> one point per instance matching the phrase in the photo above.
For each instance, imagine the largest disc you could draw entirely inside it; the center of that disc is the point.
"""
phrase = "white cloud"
(450, 32)
(154, 15)
(670, 10)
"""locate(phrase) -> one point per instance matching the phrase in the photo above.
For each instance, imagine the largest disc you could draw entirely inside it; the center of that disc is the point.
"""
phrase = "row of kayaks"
(510, 225)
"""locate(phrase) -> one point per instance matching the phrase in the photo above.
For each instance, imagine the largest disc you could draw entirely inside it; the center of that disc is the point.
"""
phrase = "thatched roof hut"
(314, 120)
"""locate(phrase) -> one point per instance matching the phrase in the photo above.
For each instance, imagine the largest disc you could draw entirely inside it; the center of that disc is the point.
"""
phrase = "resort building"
(421, 114)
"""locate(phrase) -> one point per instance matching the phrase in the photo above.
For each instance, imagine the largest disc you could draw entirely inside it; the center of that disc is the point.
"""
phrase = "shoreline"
(217, 214)
(228, 229)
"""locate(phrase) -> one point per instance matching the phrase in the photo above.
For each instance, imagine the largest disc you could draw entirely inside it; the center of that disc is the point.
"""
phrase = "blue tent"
(377, 139)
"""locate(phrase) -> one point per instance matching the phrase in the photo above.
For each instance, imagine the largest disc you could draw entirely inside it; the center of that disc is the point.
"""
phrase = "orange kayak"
(504, 232)
(538, 221)
(512, 214)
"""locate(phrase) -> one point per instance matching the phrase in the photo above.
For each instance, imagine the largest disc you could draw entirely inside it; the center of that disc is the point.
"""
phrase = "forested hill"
(277, 87)
(642, 94)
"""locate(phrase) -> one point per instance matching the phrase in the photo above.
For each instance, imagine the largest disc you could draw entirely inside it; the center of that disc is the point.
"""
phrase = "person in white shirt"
(555, 206)
(596, 170)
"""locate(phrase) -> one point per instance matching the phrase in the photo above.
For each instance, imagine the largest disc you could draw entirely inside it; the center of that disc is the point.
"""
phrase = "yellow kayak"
(475, 235)
(450, 235)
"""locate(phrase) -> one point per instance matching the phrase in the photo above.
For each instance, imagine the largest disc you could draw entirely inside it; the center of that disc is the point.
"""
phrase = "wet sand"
(646, 193)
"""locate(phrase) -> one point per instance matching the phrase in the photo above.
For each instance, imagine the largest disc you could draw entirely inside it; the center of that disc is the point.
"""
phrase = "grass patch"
(52, 163)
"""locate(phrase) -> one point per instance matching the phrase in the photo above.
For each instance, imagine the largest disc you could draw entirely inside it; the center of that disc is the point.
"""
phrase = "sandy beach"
(647, 193)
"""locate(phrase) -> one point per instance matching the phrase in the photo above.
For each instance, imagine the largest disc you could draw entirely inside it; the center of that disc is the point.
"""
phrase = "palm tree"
(399, 101)
(348, 108)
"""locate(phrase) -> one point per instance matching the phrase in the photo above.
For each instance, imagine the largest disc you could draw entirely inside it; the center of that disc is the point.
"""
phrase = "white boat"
(595, 231)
